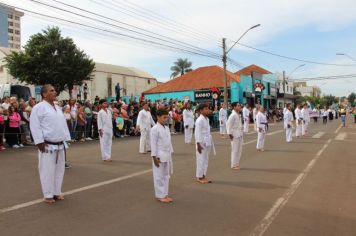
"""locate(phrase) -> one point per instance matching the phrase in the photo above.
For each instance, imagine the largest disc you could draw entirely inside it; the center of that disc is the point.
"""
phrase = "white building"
(10, 27)
(133, 81)
(305, 90)
(286, 96)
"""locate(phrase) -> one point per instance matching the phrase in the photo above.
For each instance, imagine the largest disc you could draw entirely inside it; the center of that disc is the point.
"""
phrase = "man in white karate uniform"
(144, 125)
(234, 130)
(262, 127)
(222, 120)
(204, 143)
(288, 123)
(50, 133)
(188, 119)
(105, 130)
(306, 119)
(246, 117)
(298, 121)
(162, 150)
(254, 114)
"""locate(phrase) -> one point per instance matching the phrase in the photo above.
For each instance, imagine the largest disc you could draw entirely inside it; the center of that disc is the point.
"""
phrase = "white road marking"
(31, 203)
(341, 136)
(318, 135)
(275, 132)
(282, 201)
(337, 130)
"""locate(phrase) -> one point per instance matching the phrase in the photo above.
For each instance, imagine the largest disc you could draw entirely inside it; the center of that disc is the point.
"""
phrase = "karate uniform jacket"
(234, 125)
(305, 115)
(105, 121)
(298, 115)
(246, 114)
(145, 120)
(261, 121)
(288, 119)
(202, 131)
(161, 144)
(48, 123)
(188, 118)
(222, 115)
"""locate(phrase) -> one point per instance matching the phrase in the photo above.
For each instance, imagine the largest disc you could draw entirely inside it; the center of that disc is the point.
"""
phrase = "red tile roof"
(201, 78)
(252, 68)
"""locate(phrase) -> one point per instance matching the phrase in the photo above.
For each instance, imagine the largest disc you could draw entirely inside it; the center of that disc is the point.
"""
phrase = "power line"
(325, 77)
(116, 33)
(293, 58)
(123, 28)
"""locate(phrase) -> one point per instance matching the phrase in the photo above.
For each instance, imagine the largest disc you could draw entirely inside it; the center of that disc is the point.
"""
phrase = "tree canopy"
(181, 66)
(49, 58)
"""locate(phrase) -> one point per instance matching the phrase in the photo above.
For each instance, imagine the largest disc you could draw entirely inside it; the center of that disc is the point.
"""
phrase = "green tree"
(181, 66)
(352, 98)
(48, 58)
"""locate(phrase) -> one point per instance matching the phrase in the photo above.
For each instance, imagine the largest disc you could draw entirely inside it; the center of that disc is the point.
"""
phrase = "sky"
(312, 30)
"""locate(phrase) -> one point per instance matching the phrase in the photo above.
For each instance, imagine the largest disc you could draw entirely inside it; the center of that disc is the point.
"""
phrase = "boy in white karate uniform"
(246, 117)
(144, 124)
(188, 119)
(161, 147)
(288, 123)
(222, 120)
(298, 121)
(262, 126)
(234, 130)
(204, 143)
(306, 119)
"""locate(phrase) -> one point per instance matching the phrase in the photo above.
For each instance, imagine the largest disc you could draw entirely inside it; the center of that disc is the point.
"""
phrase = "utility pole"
(284, 88)
(224, 59)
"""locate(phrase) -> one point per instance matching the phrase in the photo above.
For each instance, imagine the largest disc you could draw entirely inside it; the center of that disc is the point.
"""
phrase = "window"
(17, 46)
(17, 32)
(11, 38)
(10, 31)
(11, 45)
(148, 81)
(17, 18)
(17, 25)
(287, 89)
(11, 23)
(17, 39)
(10, 16)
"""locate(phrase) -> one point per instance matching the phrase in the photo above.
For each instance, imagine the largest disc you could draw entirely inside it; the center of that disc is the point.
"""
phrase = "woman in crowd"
(81, 122)
(12, 130)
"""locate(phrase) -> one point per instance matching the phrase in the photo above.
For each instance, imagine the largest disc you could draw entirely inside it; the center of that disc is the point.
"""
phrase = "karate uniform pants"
(161, 177)
(202, 161)
(298, 130)
(51, 173)
(105, 145)
(246, 124)
(261, 136)
(223, 128)
(305, 128)
(188, 133)
(236, 151)
(289, 135)
(145, 140)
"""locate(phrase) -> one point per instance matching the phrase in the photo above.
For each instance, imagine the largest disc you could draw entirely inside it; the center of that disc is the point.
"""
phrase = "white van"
(18, 91)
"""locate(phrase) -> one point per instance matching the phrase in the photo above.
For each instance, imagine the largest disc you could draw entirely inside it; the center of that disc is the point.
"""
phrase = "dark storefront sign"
(248, 94)
(207, 95)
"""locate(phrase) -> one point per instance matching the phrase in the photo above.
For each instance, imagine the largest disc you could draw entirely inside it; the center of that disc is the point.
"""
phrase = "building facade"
(10, 27)
(305, 90)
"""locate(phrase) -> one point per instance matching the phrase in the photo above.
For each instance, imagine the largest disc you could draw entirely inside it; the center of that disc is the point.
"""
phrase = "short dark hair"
(202, 106)
(102, 101)
(234, 104)
(161, 112)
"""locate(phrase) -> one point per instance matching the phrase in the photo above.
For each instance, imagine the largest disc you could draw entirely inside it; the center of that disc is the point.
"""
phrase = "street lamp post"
(224, 59)
(284, 82)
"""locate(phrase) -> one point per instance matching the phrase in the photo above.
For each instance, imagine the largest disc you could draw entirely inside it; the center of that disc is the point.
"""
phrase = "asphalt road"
(307, 187)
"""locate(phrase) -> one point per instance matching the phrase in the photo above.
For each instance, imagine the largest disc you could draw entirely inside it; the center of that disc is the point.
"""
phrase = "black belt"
(58, 144)
(266, 124)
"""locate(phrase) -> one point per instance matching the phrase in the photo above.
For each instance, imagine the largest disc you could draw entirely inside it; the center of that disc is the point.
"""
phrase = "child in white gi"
(161, 147)
(144, 124)
(222, 120)
(188, 119)
(234, 130)
(204, 143)
(262, 126)
(288, 123)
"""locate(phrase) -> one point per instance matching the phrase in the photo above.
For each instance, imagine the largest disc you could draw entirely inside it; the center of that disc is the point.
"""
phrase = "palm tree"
(181, 66)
